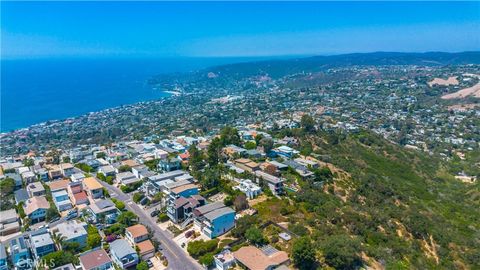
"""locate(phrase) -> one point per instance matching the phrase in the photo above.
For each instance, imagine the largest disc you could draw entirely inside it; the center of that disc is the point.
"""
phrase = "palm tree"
(58, 239)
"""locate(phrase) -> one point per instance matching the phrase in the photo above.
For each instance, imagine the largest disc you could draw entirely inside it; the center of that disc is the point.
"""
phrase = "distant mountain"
(279, 68)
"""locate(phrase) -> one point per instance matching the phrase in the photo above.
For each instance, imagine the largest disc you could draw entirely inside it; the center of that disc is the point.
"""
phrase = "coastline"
(168, 94)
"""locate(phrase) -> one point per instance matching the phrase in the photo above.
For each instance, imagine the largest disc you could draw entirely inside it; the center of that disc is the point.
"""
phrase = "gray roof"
(167, 175)
(101, 206)
(294, 164)
(104, 204)
(131, 181)
(268, 177)
(278, 164)
(177, 184)
(218, 213)
(41, 240)
(8, 214)
(107, 168)
(121, 248)
(125, 175)
(71, 229)
(35, 187)
(185, 176)
(21, 195)
(209, 207)
(77, 175)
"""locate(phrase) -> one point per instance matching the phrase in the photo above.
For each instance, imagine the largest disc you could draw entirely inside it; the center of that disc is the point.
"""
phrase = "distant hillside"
(280, 68)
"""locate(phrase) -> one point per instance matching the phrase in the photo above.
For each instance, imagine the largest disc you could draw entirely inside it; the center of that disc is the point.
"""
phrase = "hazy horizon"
(234, 29)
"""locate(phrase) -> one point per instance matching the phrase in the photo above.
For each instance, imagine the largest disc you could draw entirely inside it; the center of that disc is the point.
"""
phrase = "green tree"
(206, 259)
(137, 197)
(200, 247)
(84, 167)
(162, 217)
(59, 258)
(196, 159)
(303, 254)
(213, 152)
(101, 155)
(210, 178)
(127, 218)
(258, 139)
(124, 168)
(142, 266)
(109, 180)
(298, 229)
(119, 204)
(20, 210)
(101, 176)
(250, 145)
(228, 201)
(51, 213)
(255, 236)
(341, 252)
(152, 164)
(72, 247)
(267, 144)
(7, 186)
(28, 162)
(307, 123)
(55, 155)
(229, 135)
(243, 224)
(94, 240)
(323, 174)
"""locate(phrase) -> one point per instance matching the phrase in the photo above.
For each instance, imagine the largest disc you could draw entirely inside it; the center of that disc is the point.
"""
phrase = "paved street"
(177, 258)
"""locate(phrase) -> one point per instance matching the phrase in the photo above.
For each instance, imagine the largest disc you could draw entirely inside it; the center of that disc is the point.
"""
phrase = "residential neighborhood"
(85, 209)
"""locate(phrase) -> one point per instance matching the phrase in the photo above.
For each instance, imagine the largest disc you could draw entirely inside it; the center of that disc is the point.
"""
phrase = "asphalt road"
(177, 258)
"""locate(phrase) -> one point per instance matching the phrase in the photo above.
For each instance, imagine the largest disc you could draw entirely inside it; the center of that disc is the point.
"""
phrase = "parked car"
(71, 216)
(144, 201)
(189, 233)
(55, 219)
(155, 213)
(149, 263)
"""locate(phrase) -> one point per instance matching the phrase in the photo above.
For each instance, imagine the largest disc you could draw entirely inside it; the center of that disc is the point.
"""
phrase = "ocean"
(38, 90)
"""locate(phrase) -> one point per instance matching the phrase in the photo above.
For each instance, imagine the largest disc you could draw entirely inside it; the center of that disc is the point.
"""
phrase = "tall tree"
(196, 159)
(307, 123)
(213, 152)
(229, 135)
(341, 252)
(267, 144)
(303, 254)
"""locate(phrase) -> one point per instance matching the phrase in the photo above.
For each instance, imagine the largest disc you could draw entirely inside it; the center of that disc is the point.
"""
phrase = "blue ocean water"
(37, 90)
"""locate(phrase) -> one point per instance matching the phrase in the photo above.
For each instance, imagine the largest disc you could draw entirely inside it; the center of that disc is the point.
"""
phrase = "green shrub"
(199, 248)
(162, 217)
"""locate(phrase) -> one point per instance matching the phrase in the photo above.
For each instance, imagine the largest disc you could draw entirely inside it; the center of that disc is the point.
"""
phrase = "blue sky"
(170, 29)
